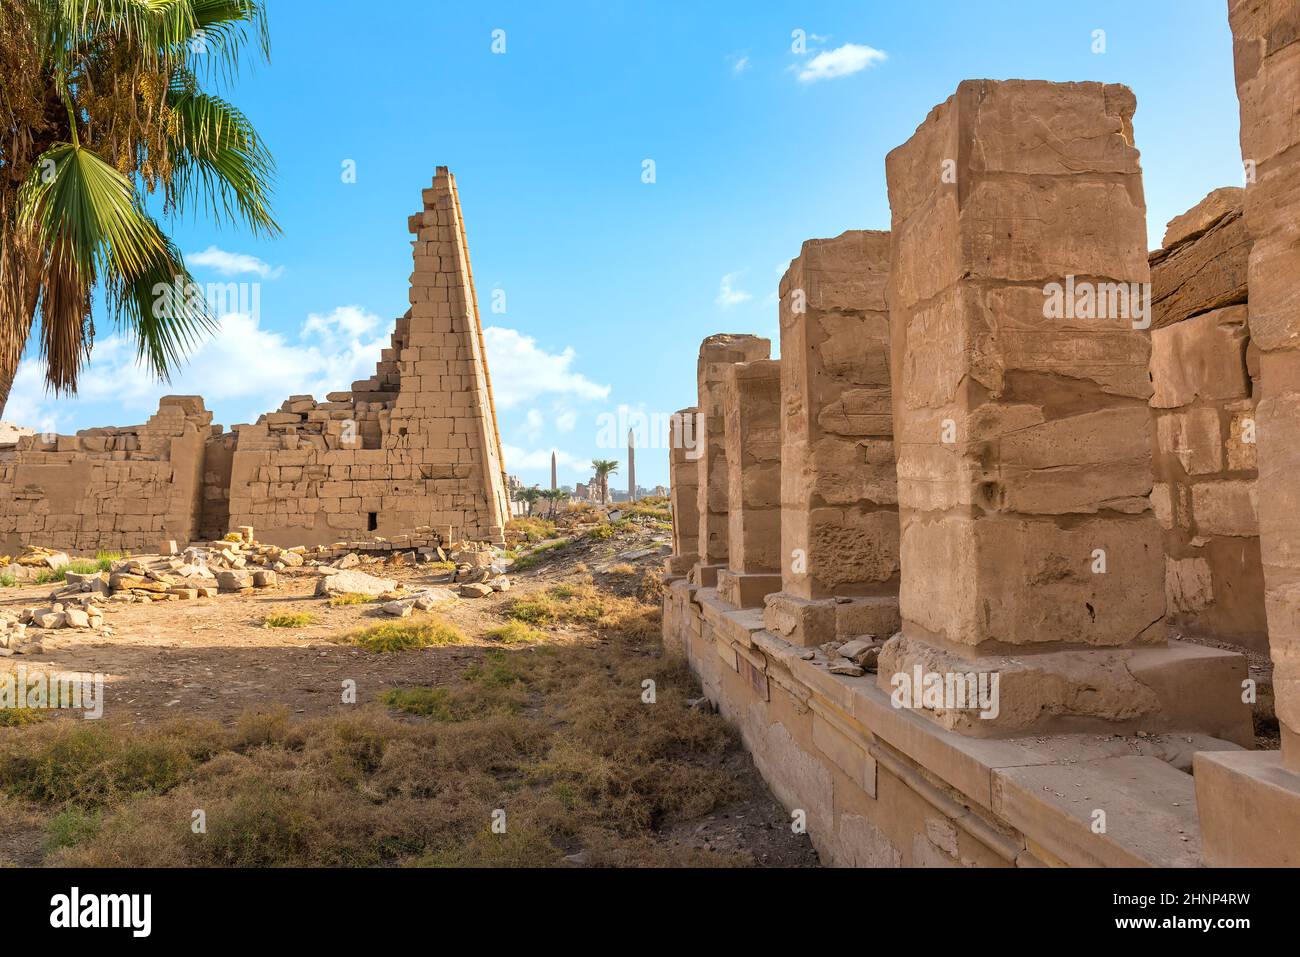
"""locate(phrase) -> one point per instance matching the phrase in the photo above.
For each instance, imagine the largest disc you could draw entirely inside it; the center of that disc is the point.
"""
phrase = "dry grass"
(19, 717)
(288, 619)
(399, 636)
(351, 598)
(557, 736)
(526, 530)
(515, 633)
(539, 555)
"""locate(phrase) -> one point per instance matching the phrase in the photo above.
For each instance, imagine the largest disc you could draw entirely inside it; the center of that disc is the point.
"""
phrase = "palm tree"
(100, 107)
(604, 469)
(529, 495)
(554, 496)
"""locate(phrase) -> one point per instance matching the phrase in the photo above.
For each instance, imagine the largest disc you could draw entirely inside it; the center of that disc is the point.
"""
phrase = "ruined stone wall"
(125, 488)
(1204, 373)
(416, 445)
(415, 448)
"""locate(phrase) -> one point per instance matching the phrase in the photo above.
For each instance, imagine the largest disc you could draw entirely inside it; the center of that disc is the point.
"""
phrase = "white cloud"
(242, 368)
(521, 371)
(534, 425)
(566, 421)
(524, 460)
(842, 61)
(232, 264)
(728, 294)
(739, 62)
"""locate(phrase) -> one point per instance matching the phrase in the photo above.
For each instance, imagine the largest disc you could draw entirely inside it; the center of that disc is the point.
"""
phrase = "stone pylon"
(1028, 546)
(415, 445)
(1249, 801)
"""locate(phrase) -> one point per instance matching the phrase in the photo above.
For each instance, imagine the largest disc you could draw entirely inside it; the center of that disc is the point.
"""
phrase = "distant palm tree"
(528, 495)
(604, 468)
(100, 106)
(554, 496)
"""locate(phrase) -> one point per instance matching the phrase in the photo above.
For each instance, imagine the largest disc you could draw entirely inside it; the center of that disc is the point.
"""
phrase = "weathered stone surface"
(1204, 373)
(1203, 271)
(353, 583)
(839, 526)
(752, 430)
(1004, 451)
(1200, 358)
(684, 483)
(1218, 203)
(1268, 88)
(717, 354)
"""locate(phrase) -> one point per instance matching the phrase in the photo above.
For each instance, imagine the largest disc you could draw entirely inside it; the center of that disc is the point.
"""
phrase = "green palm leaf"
(219, 160)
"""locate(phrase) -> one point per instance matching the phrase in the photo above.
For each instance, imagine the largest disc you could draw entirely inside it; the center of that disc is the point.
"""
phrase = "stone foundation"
(881, 786)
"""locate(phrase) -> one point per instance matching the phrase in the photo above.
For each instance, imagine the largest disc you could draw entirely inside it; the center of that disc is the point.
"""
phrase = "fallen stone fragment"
(121, 581)
(398, 609)
(353, 583)
(76, 618)
(851, 670)
(234, 580)
(475, 590)
(264, 579)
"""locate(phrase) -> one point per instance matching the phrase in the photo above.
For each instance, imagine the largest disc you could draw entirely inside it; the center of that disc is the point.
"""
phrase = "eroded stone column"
(717, 353)
(752, 416)
(1020, 345)
(839, 501)
(684, 482)
(1249, 803)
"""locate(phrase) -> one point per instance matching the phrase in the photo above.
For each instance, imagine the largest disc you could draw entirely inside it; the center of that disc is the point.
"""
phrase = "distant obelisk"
(554, 484)
(631, 466)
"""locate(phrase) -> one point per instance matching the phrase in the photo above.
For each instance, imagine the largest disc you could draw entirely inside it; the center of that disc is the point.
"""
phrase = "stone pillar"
(717, 353)
(839, 500)
(1249, 803)
(684, 479)
(752, 426)
(1029, 549)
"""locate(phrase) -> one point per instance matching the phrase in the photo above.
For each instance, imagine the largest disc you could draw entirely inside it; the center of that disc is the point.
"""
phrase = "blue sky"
(611, 282)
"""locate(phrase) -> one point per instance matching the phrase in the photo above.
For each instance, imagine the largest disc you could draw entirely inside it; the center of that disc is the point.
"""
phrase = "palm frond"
(162, 307)
(219, 160)
(75, 201)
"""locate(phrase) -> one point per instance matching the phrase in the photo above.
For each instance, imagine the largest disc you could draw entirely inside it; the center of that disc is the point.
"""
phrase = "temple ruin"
(414, 450)
(1026, 537)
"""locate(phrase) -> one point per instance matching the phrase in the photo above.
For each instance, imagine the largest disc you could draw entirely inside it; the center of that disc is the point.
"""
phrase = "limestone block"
(1202, 357)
